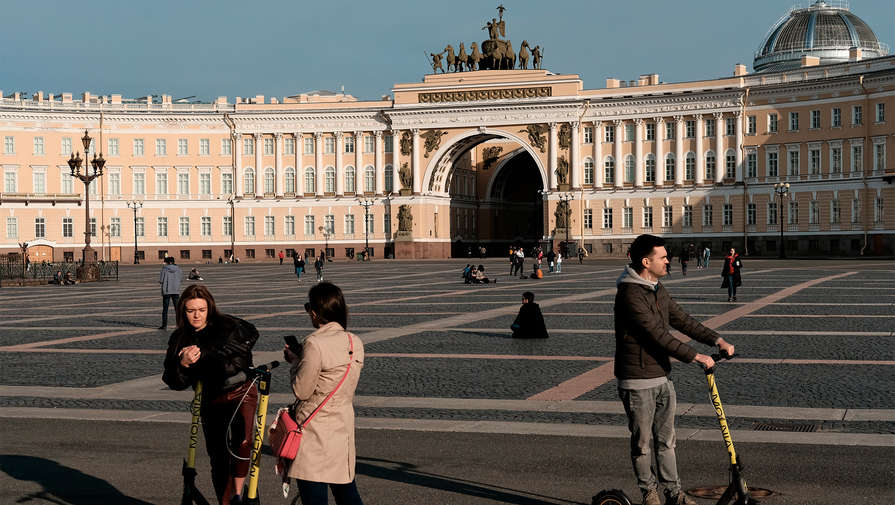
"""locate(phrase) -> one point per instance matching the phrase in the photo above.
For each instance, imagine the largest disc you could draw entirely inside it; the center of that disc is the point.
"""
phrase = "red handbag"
(285, 433)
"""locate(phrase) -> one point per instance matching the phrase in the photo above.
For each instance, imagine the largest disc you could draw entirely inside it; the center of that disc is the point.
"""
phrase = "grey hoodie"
(170, 278)
(630, 275)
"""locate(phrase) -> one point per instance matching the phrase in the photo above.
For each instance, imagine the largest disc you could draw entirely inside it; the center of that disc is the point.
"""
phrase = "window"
(750, 125)
(206, 254)
(12, 227)
(268, 147)
(140, 227)
(836, 160)
(772, 123)
(114, 184)
(161, 183)
(39, 146)
(608, 134)
(690, 167)
(855, 210)
(92, 226)
(184, 254)
(730, 126)
(389, 143)
(226, 182)
(588, 135)
(727, 216)
(707, 215)
(183, 183)
(709, 127)
(857, 158)
(793, 166)
(588, 219)
(814, 161)
(115, 227)
(139, 183)
(138, 147)
(270, 253)
(289, 180)
(667, 216)
(793, 121)
(350, 179)
(669, 131)
(162, 226)
(793, 217)
(249, 226)
(329, 145)
(248, 183)
(627, 217)
(161, 147)
(204, 147)
(690, 128)
(40, 227)
(751, 165)
(227, 226)
(39, 182)
(329, 223)
(67, 182)
(9, 145)
(66, 146)
(113, 147)
(772, 212)
(879, 156)
(226, 147)
(269, 226)
(650, 168)
(389, 179)
(250, 253)
(205, 226)
(647, 217)
(369, 179)
(687, 216)
(857, 115)
(349, 144)
(248, 146)
(629, 132)
(650, 131)
(878, 210)
(880, 113)
(370, 222)
(205, 183)
(835, 212)
(588, 171)
(813, 212)
(836, 117)
(609, 170)
(184, 226)
(182, 147)
(309, 226)
(607, 219)
(369, 144)
(270, 180)
(629, 168)
(772, 164)
(308, 145)
(750, 214)
(815, 119)
(669, 167)
(310, 180)
(730, 165)
(330, 180)
(710, 166)
(349, 224)
(289, 226)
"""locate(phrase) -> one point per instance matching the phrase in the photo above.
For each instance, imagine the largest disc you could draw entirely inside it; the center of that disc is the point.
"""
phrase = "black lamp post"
(782, 191)
(231, 201)
(366, 202)
(565, 200)
(24, 247)
(135, 204)
(75, 163)
(326, 234)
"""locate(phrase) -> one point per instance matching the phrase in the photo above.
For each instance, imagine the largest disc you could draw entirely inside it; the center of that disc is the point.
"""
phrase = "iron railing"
(13, 271)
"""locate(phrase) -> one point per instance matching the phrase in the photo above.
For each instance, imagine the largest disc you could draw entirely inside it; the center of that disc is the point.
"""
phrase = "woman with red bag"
(326, 374)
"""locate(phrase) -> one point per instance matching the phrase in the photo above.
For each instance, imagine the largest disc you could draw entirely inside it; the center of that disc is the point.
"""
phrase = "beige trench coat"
(327, 451)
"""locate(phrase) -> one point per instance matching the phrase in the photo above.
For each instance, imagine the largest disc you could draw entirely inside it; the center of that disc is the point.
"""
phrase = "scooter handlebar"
(250, 373)
(718, 357)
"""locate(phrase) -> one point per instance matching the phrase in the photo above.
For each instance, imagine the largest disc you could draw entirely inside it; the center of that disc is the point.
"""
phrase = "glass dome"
(824, 30)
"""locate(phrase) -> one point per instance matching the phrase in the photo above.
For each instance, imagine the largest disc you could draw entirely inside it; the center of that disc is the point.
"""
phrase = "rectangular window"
(205, 183)
(249, 223)
(650, 169)
(389, 143)
(140, 227)
(772, 212)
(629, 132)
(669, 131)
(857, 115)
(115, 184)
(855, 210)
(607, 219)
(835, 160)
(627, 217)
(650, 131)
(349, 144)
(772, 123)
(815, 119)
(370, 223)
(269, 226)
(879, 156)
(880, 113)
(878, 210)
(690, 128)
(139, 183)
(68, 183)
(588, 219)
(609, 171)
(68, 227)
(66, 146)
(669, 169)
(329, 145)
(608, 134)
(667, 216)
(750, 125)
(836, 117)
(248, 146)
(687, 216)
(349, 224)
(727, 214)
(369, 144)
(690, 168)
(39, 182)
(138, 147)
(289, 226)
(751, 214)
(857, 159)
(588, 134)
(730, 124)
(183, 183)
(709, 127)
(204, 147)
(835, 212)
(114, 149)
(813, 212)
(39, 146)
(182, 147)
(226, 147)
(40, 227)
(814, 161)
(793, 166)
(309, 226)
(751, 165)
(161, 147)
(9, 182)
(92, 226)
(9, 145)
(12, 227)
(308, 143)
(793, 121)
(706, 215)
(268, 147)
(205, 226)
(227, 226)
(161, 226)
(226, 183)
(647, 217)
(289, 145)
(184, 226)
(793, 217)
(115, 227)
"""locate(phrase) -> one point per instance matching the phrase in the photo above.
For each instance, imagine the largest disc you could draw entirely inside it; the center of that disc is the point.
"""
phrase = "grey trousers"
(651, 422)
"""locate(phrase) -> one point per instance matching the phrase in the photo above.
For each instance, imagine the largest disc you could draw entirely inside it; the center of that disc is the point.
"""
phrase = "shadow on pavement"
(62, 484)
(406, 473)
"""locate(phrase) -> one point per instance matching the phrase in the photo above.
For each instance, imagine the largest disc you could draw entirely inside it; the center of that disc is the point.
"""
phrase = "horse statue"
(497, 55)
(523, 55)
(462, 59)
(475, 58)
(450, 58)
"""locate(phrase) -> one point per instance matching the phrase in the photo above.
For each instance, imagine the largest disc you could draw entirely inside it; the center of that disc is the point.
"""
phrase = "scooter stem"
(260, 420)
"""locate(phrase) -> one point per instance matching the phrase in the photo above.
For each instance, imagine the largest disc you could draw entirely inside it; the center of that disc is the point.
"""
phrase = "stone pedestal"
(406, 192)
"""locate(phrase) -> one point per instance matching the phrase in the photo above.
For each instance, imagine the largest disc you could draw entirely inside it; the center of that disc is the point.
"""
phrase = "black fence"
(12, 272)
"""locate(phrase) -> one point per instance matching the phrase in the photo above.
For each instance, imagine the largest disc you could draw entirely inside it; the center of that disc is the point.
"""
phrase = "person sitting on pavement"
(194, 275)
(57, 278)
(69, 279)
(529, 323)
(467, 277)
(481, 278)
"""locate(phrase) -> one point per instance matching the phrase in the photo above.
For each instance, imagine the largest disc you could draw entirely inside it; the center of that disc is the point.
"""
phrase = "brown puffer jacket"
(644, 317)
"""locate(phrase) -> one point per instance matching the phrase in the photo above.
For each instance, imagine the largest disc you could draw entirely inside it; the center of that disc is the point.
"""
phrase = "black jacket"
(725, 271)
(226, 346)
(530, 322)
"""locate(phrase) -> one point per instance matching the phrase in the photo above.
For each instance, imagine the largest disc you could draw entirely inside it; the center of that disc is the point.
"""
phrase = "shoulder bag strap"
(350, 357)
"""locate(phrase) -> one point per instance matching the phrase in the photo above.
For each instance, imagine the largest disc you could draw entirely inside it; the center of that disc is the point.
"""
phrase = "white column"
(340, 171)
(598, 155)
(358, 163)
(700, 151)
(552, 163)
(619, 162)
(237, 170)
(380, 172)
(259, 173)
(739, 146)
(719, 148)
(678, 150)
(660, 151)
(415, 162)
(396, 160)
(299, 170)
(278, 147)
(638, 153)
(575, 155)
(318, 162)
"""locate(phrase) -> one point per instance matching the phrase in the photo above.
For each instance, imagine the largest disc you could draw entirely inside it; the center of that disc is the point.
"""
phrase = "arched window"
(369, 179)
(350, 179)
(248, 180)
(710, 165)
(389, 179)
(629, 168)
(669, 167)
(588, 171)
(730, 164)
(289, 180)
(690, 166)
(310, 180)
(329, 180)
(609, 172)
(270, 180)
(649, 166)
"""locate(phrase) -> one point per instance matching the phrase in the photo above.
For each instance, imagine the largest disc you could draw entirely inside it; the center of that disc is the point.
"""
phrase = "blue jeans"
(651, 422)
(165, 300)
(298, 271)
(315, 493)
(731, 287)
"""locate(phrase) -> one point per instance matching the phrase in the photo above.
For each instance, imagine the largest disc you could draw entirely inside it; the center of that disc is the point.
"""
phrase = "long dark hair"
(327, 301)
(191, 293)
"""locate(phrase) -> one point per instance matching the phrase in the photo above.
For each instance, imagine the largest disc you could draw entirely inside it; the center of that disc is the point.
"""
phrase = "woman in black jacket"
(209, 346)
(731, 274)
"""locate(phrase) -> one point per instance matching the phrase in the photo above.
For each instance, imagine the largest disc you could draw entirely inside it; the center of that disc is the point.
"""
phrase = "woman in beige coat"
(326, 455)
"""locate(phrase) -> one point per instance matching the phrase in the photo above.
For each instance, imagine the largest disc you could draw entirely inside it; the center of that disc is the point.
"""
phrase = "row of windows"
(226, 146)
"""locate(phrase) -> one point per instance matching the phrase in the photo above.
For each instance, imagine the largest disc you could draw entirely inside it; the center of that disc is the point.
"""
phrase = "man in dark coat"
(730, 272)
(530, 322)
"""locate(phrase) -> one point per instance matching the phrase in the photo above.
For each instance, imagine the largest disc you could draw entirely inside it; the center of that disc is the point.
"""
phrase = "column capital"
(659, 120)
(575, 124)
(257, 135)
(318, 135)
(377, 134)
(358, 134)
(598, 123)
(297, 134)
(338, 134)
(415, 131)
(278, 135)
(638, 121)
(738, 113)
(552, 126)
(678, 119)
(698, 117)
(718, 115)
(617, 122)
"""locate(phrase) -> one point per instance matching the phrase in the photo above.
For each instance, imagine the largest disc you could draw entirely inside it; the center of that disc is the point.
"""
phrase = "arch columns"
(575, 155)
(415, 161)
(553, 154)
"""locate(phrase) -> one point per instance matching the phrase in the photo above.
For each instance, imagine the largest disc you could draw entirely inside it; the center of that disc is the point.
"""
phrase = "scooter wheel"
(611, 497)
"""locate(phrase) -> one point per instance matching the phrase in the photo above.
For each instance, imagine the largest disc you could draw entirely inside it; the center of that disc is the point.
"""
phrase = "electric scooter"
(737, 492)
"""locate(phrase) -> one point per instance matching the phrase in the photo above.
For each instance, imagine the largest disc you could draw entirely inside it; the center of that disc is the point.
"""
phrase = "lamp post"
(565, 200)
(366, 202)
(782, 191)
(231, 201)
(75, 163)
(24, 247)
(135, 204)
(326, 234)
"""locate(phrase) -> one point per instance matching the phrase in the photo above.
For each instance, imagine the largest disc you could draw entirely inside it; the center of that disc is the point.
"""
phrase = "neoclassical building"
(481, 158)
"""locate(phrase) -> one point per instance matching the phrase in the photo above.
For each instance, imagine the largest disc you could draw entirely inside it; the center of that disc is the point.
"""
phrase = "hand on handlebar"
(706, 361)
(726, 348)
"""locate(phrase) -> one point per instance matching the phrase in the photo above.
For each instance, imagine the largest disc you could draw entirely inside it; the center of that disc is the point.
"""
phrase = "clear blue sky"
(283, 47)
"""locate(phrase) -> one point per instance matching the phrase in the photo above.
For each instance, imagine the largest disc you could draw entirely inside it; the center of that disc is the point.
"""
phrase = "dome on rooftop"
(825, 30)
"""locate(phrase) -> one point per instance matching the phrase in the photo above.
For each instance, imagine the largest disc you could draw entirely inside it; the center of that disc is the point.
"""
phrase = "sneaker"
(680, 499)
(729, 299)
(651, 497)
(734, 298)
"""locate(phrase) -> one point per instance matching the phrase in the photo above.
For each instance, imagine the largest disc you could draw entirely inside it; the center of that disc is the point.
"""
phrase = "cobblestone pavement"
(814, 340)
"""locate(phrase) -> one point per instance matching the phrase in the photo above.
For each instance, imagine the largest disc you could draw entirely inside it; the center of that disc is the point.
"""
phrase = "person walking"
(319, 263)
(331, 363)
(512, 261)
(559, 262)
(582, 252)
(684, 259)
(730, 274)
(210, 347)
(281, 256)
(299, 264)
(520, 262)
(645, 314)
(170, 278)
(707, 254)
(551, 260)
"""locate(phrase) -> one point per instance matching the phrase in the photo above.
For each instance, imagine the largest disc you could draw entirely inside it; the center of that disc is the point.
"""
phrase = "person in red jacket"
(731, 274)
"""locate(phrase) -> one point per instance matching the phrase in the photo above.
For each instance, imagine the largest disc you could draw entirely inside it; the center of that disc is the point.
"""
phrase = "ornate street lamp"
(135, 204)
(366, 202)
(782, 191)
(326, 235)
(565, 200)
(75, 163)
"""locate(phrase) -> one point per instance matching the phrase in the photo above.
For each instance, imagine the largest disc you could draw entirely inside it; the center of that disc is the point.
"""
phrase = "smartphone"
(292, 344)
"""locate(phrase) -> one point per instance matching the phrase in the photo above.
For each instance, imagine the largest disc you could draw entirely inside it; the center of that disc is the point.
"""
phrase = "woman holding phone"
(331, 361)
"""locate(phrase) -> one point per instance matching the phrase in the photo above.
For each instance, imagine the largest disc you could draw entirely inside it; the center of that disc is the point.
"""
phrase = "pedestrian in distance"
(582, 252)
(551, 259)
(520, 262)
(281, 255)
(512, 261)
(210, 347)
(707, 255)
(319, 263)
(730, 274)
(645, 314)
(558, 262)
(170, 278)
(529, 323)
(299, 264)
(331, 364)
(684, 259)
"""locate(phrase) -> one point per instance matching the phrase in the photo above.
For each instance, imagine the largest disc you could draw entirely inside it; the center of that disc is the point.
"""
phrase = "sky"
(206, 48)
